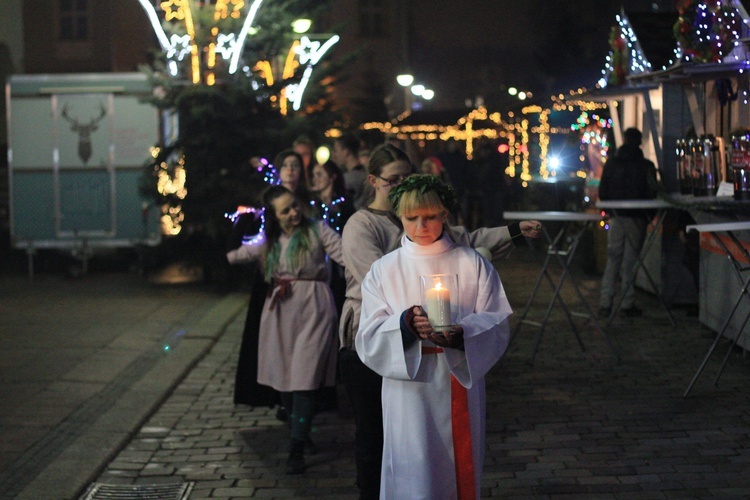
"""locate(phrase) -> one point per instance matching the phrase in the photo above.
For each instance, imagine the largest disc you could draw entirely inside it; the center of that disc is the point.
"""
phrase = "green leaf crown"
(423, 183)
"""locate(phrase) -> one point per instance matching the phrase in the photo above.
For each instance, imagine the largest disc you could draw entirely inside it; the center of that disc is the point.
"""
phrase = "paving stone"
(574, 425)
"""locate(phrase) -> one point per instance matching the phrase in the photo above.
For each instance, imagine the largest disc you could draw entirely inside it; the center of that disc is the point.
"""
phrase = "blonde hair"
(414, 200)
(411, 201)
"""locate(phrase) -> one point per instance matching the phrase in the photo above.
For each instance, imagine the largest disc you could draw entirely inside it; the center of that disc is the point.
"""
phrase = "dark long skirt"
(247, 391)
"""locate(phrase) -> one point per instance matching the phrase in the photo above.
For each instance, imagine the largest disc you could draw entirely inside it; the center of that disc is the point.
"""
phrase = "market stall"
(692, 112)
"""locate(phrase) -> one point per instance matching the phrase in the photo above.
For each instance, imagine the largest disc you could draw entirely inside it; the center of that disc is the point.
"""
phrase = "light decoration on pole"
(171, 177)
(592, 130)
(222, 43)
(228, 45)
(309, 53)
(543, 133)
(532, 123)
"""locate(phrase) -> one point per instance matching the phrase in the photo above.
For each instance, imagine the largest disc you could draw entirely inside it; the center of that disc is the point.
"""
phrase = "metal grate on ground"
(101, 491)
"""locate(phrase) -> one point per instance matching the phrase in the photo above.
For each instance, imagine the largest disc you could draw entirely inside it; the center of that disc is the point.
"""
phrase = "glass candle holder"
(439, 294)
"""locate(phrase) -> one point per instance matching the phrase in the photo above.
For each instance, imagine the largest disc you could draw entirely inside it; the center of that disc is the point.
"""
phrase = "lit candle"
(438, 305)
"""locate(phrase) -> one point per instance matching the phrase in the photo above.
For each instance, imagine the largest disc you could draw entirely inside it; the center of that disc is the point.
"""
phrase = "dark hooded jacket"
(628, 176)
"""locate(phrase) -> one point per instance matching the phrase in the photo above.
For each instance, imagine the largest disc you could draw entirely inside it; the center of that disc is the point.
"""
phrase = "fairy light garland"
(626, 57)
(330, 218)
(706, 31)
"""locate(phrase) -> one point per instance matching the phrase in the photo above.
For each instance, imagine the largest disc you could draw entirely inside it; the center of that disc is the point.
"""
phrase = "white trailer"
(77, 144)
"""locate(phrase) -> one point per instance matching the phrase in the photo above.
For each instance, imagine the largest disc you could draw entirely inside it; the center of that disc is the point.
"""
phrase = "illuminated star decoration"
(225, 45)
(172, 10)
(230, 46)
(309, 52)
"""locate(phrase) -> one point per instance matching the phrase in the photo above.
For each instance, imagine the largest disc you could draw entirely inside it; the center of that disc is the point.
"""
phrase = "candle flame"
(438, 286)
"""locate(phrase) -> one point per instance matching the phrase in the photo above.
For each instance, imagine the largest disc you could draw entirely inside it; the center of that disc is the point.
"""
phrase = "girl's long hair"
(301, 239)
(279, 160)
(335, 173)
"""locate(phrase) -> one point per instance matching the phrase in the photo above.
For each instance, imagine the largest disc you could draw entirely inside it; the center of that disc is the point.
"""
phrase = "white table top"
(720, 226)
(645, 204)
(554, 216)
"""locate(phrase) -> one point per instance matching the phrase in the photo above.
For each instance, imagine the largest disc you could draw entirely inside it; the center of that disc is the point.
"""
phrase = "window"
(74, 19)
(371, 18)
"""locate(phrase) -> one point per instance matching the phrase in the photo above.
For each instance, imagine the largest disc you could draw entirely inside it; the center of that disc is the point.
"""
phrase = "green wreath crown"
(423, 183)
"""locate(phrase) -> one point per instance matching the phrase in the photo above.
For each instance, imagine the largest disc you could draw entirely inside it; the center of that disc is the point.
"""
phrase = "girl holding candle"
(368, 235)
(433, 379)
(298, 355)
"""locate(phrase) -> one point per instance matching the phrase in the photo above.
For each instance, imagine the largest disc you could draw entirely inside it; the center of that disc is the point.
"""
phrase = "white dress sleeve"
(486, 330)
(379, 343)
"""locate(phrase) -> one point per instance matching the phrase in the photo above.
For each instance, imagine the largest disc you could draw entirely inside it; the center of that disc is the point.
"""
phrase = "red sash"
(461, 424)
(462, 441)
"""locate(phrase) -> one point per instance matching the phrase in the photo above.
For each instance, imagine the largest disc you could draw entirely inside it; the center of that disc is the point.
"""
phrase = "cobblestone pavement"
(576, 424)
(83, 362)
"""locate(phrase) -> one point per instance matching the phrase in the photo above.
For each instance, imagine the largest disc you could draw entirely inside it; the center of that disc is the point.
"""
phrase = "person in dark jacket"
(626, 176)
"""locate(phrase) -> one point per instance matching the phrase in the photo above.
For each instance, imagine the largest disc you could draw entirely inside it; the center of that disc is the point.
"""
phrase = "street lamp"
(405, 80)
(423, 93)
(520, 94)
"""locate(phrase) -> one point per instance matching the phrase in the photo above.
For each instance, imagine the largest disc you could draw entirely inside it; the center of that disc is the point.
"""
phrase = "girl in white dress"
(433, 382)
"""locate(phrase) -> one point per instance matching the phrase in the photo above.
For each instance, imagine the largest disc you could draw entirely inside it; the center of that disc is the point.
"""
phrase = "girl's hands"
(452, 338)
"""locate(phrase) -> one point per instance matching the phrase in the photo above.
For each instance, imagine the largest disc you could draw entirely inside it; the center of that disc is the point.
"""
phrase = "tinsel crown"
(423, 183)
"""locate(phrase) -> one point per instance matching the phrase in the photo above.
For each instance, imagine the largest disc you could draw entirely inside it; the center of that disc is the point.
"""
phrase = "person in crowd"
(298, 356)
(626, 176)
(433, 165)
(344, 154)
(247, 222)
(490, 184)
(289, 166)
(305, 148)
(363, 155)
(429, 450)
(457, 169)
(369, 234)
(288, 173)
(333, 208)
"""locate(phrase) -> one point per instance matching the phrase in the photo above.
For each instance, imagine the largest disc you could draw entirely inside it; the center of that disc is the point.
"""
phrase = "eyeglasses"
(393, 181)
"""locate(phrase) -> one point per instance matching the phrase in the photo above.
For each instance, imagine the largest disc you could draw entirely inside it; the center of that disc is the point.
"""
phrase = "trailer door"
(83, 165)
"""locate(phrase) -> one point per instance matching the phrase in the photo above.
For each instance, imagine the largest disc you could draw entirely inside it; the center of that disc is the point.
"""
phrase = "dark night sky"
(541, 45)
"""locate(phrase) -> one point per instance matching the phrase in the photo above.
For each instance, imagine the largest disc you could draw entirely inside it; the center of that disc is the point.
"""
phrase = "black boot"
(295, 464)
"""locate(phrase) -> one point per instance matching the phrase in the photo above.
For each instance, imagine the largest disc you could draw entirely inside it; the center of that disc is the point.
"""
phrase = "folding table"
(739, 268)
(646, 206)
(562, 247)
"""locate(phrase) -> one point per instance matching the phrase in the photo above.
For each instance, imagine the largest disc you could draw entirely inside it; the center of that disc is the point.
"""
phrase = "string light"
(330, 218)
(626, 57)
(171, 183)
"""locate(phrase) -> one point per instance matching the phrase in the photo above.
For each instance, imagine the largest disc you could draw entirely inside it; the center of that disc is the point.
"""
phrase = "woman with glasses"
(370, 233)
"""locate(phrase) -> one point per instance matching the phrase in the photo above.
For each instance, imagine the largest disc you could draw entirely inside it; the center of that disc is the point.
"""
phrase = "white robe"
(418, 446)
